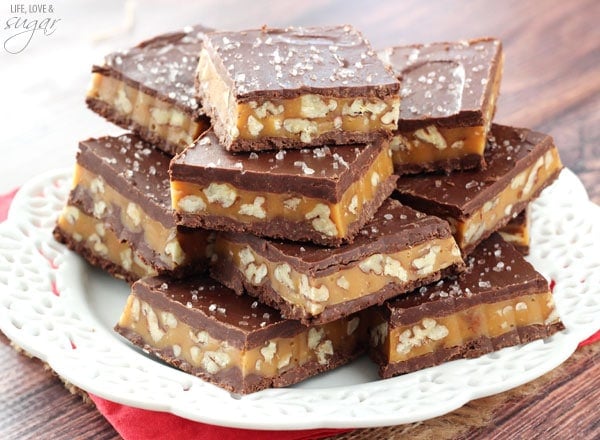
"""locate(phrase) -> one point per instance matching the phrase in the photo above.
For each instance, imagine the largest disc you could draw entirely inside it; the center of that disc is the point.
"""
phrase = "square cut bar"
(295, 87)
(201, 327)
(149, 89)
(397, 251)
(119, 213)
(448, 97)
(324, 195)
(516, 231)
(499, 301)
(520, 164)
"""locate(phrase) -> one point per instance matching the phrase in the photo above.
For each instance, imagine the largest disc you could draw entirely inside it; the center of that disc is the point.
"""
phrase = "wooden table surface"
(551, 83)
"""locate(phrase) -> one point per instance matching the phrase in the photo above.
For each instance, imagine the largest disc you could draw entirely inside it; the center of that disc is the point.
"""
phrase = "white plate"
(57, 308)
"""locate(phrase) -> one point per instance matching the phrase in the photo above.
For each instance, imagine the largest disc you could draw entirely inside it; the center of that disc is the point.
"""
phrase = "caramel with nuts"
(516, 232)
(195, 345)
(102, 241)
(310, 116)
(161, 118)
(457, 329)
(350, 282)
(521, 188)
(174, 247)
(201, 327)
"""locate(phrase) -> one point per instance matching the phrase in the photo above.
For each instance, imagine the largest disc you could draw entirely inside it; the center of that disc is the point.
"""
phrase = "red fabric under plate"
(140, 424)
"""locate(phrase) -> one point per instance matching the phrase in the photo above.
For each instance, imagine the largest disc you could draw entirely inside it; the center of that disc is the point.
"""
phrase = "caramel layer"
(158, 116)
(437, 144)
(521, 189)
(173, 246)
(362, 278)
(327, 218)
(102, 241)
(162, 330)
(402, 343)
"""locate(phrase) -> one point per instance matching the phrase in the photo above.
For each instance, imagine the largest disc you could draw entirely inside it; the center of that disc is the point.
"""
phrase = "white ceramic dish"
(59, 309)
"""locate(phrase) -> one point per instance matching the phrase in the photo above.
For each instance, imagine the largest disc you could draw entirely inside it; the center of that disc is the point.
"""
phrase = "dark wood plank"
(35, 403)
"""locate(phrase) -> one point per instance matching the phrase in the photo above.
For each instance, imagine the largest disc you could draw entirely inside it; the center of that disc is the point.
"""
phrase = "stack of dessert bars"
(289, 199)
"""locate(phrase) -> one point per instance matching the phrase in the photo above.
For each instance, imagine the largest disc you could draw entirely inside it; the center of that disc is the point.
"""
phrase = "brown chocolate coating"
(448, 84)
(203, 303)
(163, 66)
(495, 271)
(509, 151)
(241, 321)
(271, 63)
(323, 173)
(467, 162)
(135, 169)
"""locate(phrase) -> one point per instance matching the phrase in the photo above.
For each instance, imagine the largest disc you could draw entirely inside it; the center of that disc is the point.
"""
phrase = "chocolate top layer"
(323, 173)
(135, 169)
(509, 151)
(495, 271)
(204, 304)
(163, 66)
(395, 227)
(285, 63)
(448, 84)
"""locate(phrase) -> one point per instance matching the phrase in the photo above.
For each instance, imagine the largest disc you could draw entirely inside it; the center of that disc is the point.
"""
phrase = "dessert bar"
(322, 195)
(149, 89)
(521, 163)
(295, 87)
(448, 97)
(119, 212)
(233, 341)
(499, 301)
(516, 231)
(395, 252)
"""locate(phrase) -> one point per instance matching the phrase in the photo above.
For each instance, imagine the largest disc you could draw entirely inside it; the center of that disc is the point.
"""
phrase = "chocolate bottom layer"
(91, 257)
(232, 380)
(231, 277)
(107, 112)
(468, 162)
(337, 137)
(471, 349)
(285, 229)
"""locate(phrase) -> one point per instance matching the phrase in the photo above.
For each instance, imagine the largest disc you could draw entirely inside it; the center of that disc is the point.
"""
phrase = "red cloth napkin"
(140, 424)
